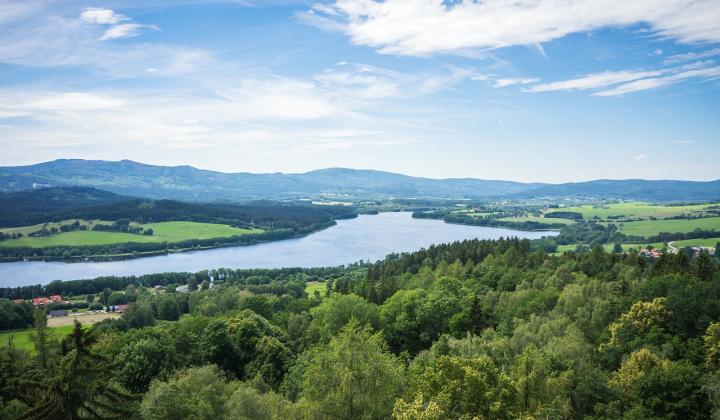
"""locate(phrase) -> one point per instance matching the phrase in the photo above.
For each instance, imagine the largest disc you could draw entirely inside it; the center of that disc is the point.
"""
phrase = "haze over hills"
(191, 184)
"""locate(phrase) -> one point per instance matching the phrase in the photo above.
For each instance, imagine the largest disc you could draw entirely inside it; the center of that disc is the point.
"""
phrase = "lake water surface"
(364, 238)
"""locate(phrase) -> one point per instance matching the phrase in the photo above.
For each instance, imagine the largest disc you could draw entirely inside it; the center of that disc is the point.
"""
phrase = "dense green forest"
(475, 329)
(57, 204)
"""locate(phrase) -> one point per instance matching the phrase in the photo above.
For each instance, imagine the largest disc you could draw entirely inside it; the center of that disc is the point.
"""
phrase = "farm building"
(650, 253)
(45, 300)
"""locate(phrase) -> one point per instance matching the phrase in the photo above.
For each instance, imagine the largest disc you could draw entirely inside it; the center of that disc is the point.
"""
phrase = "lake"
(367, 237)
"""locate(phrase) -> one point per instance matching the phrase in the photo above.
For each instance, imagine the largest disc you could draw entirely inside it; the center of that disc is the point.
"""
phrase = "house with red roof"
(45, 300)
(40, 301)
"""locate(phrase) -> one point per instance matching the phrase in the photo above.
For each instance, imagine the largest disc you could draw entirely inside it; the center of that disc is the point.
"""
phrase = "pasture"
(22, 338)
(543, 220)
(707, 243)
(647, 228)
(633, 210)
(163, 232)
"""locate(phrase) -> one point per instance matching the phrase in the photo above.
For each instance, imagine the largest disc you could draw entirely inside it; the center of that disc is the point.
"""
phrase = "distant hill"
(32, 205)
(191, 184)
(631, 189)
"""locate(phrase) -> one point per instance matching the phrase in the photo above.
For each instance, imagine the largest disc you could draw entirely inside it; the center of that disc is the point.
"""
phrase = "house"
(40, 301)
(650, 253)
(118, 308)
(45, 300)
(182, 289)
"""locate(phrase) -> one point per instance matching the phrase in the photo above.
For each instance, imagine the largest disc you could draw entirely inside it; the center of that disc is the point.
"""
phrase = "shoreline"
(130, 256)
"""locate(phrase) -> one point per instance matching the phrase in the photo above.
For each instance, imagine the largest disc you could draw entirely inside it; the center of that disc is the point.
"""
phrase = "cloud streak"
(626, 82)
(425, 27)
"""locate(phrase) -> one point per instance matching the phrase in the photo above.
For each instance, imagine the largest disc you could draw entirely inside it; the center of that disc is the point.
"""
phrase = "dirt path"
(84, 318)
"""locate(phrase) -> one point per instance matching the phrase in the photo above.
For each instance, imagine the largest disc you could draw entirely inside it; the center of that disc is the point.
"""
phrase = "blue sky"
(529, 90)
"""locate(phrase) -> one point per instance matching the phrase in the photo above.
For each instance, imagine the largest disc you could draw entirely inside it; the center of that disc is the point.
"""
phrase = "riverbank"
(367, 238)
(250, 239)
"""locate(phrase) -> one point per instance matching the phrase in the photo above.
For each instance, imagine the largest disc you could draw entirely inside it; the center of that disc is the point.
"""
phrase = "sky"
(523, 90)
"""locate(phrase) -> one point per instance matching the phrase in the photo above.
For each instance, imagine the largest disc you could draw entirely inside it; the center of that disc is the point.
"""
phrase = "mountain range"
(191, 184)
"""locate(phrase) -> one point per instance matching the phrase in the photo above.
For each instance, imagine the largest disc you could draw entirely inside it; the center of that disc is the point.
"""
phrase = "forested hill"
(40, 205)
(64, 203)
(632, 189)
(191, 184)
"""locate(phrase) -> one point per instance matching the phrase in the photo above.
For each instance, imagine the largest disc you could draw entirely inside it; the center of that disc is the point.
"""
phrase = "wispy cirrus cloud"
(594, 81)
(425, 27)
(691, 56)
(657, 82)
(629, 81)
(46, 39)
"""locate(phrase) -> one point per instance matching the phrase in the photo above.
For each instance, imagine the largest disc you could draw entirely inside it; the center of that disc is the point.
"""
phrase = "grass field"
(21, 338)
(312, 286)
(709, 242)
(633, 209)
(653, 227)
(609, 247)
(545, 220)
(163, 232)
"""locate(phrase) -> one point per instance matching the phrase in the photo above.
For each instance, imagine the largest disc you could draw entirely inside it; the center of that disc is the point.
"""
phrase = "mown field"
(653, 227)
(634, 209)
(163, 232)
(22, 338)
(544, 220)
(708, 242)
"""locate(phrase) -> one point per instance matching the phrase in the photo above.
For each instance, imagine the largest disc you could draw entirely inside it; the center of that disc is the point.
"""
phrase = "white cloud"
(509, 81)
(692, 56)
(117, 30)
(125, 30)
(593, 81)
(629, 81)
(77, 101)
(49, 41)
(640, 157)
(101, 16)
(657, 82)
(11, 10)
(423, 27)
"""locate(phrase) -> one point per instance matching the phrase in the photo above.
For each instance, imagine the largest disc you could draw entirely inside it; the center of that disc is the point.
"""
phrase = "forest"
(473, 329)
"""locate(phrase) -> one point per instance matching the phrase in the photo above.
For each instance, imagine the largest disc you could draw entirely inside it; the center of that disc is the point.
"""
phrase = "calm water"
(366, 237)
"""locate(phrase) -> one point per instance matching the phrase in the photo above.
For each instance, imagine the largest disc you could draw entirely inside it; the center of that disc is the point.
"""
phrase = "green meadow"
(633, 209)
(313, 286)
(653, 227)
(544, 220)
(163, 232)
(22, 338)
(708, 242)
